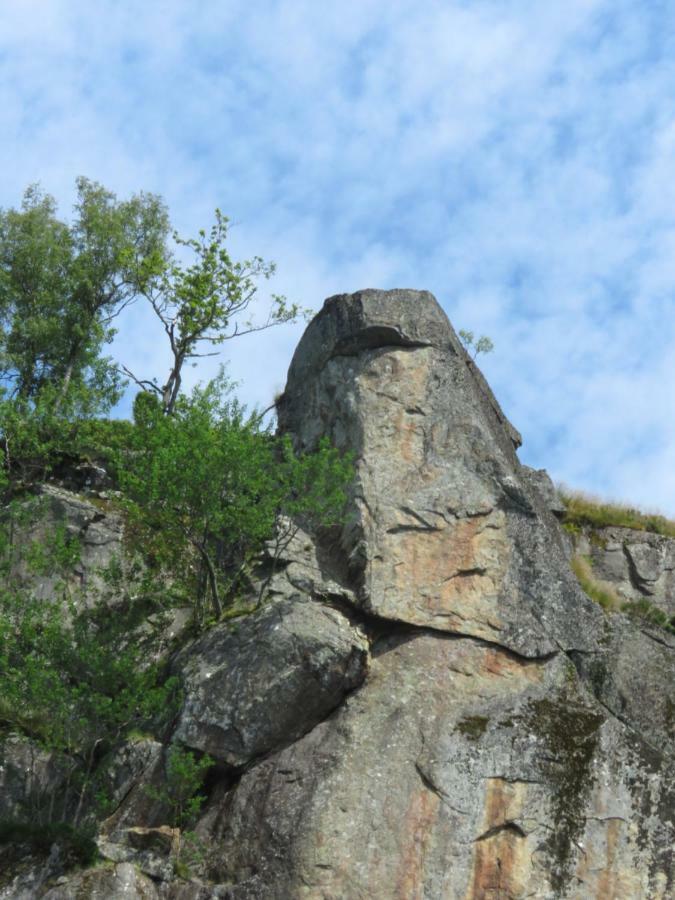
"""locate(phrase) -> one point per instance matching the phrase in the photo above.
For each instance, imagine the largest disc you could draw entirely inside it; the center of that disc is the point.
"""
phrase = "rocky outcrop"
(445, 530)
(491, 751)
(426, 706)
(79, 538)
(639, 565)
(31, 779)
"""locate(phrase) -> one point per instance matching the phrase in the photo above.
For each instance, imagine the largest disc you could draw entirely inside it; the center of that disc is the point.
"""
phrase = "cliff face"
(511, 739)
(428, 707)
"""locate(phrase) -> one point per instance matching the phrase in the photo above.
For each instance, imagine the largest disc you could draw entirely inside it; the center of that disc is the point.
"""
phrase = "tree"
(202, 302)
(482, 345)
(61, 287)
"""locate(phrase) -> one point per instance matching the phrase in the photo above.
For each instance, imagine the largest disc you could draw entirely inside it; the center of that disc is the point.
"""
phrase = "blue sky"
(515, 158)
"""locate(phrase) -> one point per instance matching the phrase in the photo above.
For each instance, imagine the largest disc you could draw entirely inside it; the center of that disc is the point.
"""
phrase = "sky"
(514, 157)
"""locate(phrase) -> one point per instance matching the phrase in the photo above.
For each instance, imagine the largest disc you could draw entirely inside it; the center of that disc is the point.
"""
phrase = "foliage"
(474, 345)
(61, 287)
(202, 302)
(180, 792)
(76, 845)
(76, 681)
(208, 486)
(583, 510)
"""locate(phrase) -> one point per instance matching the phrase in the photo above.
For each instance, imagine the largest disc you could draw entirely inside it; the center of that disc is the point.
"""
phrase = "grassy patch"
(585, 510)
(600, 591)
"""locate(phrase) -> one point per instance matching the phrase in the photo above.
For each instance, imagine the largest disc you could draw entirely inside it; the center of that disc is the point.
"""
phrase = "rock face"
(445, 531)
(638, 564)
(95, 534)
(30, 778)
(426, 706)
(511, 739)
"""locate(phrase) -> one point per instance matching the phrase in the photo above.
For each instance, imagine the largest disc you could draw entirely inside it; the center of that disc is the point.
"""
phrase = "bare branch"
(141, 382)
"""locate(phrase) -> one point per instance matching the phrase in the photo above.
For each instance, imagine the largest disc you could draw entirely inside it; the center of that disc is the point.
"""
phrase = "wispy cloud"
(516, 158)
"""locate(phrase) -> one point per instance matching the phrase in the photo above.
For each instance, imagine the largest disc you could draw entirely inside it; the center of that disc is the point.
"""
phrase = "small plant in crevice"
(181, 790)
(475, 346)
(182, 794)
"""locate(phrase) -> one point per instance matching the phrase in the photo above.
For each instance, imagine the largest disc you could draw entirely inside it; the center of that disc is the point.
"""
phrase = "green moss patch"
(570, 734)
(473, 727)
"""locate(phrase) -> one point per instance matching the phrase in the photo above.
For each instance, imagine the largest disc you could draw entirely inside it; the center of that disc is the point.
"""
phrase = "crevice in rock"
(401, 529)
(634, 576)
(659, 640)
(377, 337)
(510, 826)
(430, 785)
(378, 628)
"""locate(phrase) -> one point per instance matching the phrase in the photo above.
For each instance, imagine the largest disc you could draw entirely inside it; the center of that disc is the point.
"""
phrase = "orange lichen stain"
(500, 861)
(604, 871)
(455, 572)
(416, 832)
(498, 662)
(608, 883)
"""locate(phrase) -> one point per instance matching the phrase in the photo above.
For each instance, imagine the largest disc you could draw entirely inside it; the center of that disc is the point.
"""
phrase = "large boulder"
(256, 684)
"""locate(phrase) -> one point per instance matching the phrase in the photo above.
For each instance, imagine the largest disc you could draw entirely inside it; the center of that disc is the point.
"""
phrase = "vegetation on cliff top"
(583, 510)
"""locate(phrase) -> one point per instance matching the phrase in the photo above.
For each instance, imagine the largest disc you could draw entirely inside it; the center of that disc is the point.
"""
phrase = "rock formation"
(509, 741)
(427, 706)
(639, 565)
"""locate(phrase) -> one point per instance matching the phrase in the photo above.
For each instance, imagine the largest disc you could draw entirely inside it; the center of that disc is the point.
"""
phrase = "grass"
(584, 510)
(600, 591)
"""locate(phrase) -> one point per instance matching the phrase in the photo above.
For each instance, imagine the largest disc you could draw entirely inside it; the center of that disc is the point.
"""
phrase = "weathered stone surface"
(540, 482)
(638, 564)
(633, 676)
(446, 530)
(98, 532)
(31, 779)
(258, 683)
(154, 851)
(457, 771)
(130, 778)
(123, 880)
